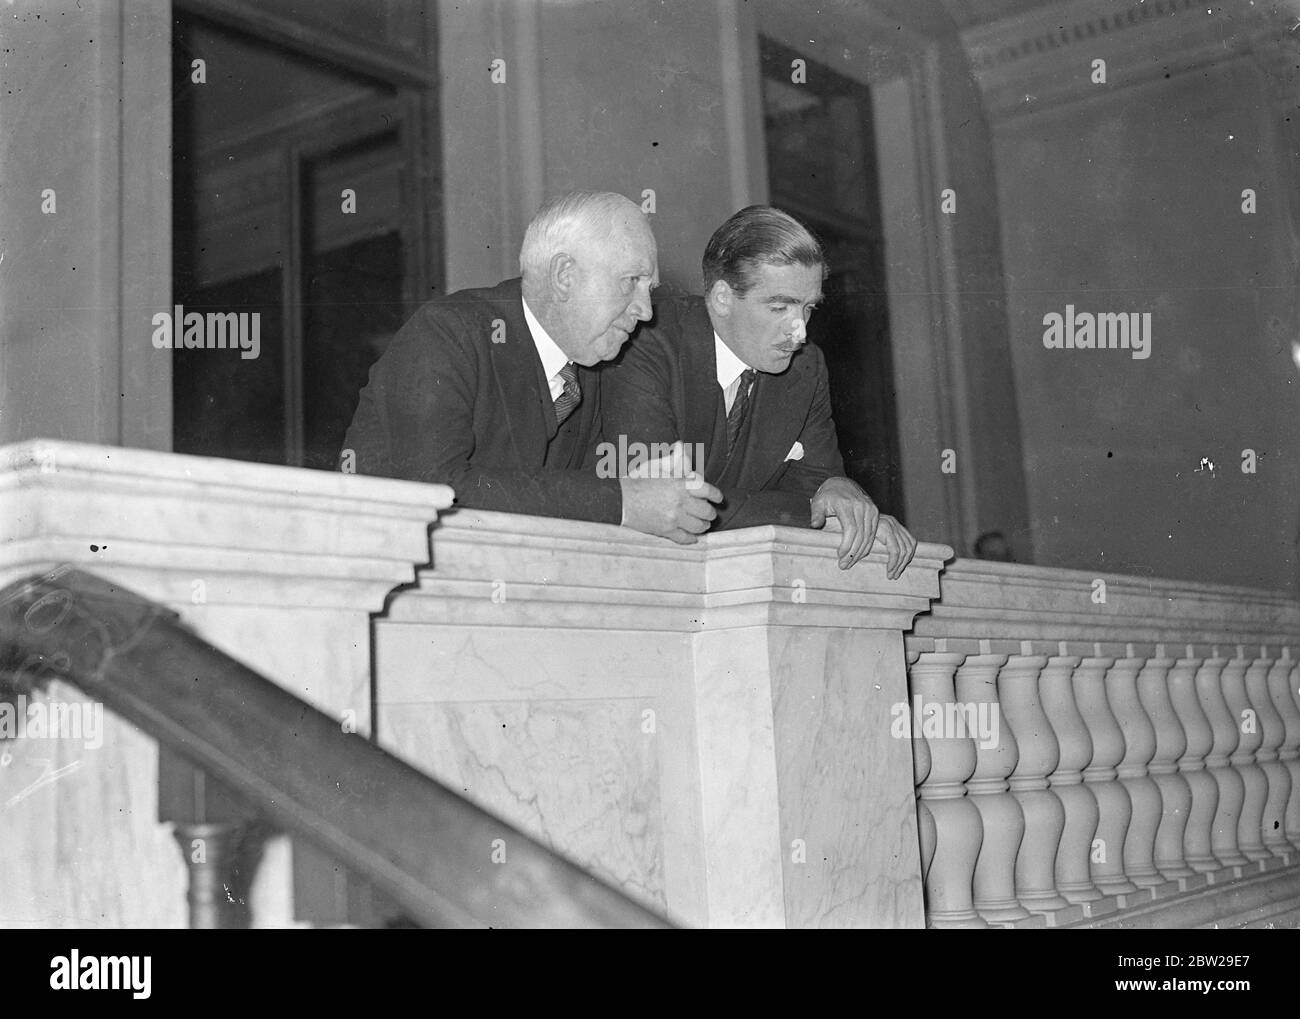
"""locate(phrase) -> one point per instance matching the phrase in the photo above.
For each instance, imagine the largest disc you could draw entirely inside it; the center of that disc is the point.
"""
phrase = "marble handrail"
(1146, 747)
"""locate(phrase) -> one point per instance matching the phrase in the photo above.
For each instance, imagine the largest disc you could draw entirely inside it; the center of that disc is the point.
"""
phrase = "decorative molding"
(1034, 61)
(1009, 608)
(573, 574)
(1018, 38)
(257, 534)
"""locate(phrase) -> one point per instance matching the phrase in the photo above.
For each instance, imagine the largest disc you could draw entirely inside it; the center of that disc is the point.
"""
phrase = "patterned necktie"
(736, 416)
(567, 402)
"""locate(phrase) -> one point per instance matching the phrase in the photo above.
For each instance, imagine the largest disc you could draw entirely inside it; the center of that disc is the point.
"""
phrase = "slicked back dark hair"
(757, 235)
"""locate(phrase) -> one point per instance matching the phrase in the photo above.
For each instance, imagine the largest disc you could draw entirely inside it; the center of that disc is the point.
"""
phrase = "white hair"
(565, 223)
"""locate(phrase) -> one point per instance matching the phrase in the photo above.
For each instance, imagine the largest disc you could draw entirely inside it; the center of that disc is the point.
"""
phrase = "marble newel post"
(827, 646)
(278, 567)
(709, 728)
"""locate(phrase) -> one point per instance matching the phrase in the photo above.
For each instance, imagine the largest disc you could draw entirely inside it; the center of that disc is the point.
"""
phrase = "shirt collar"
(553, 358)
(730, 367)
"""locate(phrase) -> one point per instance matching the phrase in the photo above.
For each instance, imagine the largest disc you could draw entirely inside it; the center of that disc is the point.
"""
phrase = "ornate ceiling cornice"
(1037, 60)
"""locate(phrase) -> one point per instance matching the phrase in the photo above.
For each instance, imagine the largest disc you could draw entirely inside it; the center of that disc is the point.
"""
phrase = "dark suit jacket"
(665, 388)
(447, 403)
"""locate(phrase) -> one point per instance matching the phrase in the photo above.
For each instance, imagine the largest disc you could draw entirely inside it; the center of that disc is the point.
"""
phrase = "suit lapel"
(518, 371)
(699, 367)
(778, 408)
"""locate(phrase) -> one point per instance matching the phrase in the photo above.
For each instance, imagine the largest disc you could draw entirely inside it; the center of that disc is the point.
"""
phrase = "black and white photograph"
(735, 465)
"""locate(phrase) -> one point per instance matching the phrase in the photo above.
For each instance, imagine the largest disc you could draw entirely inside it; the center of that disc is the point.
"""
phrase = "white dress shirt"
(553, 358)
(730, 368)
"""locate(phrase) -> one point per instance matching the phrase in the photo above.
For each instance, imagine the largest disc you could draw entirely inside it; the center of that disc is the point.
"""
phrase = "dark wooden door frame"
(407, 111)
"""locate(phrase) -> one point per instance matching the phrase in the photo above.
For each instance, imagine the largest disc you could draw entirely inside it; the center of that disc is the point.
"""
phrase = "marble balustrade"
(706, 727)
(1136, 744)
(737, 733)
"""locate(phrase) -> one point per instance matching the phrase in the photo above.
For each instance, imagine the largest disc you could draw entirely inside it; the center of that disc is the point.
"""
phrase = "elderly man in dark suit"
(492, 392)
(729, 374)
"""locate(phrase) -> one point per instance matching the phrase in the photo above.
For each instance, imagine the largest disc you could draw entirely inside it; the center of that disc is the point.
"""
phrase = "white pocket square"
(796, 452)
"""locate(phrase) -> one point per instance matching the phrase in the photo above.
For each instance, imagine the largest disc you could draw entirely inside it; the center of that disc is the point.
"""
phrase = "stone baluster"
(1039, 754)
(1283, 689)
(1227, 813)
(920, 771)
(1171, 744)
(928, 836)
(1197, 842)
(1254, 784)
(1073, 876)
(1271, 734)
(1139, 748)
(1003, 822)
(958, 830)
(1113, 807)
(209, 851)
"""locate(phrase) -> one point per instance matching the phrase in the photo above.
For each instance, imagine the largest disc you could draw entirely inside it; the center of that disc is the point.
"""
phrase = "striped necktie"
(736, 416)
(567, 402)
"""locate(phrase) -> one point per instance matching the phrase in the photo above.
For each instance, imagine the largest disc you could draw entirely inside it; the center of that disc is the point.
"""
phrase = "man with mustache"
(731, 371)
(492, 392)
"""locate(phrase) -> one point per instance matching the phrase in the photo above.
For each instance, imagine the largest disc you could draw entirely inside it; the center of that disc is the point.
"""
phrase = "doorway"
(298, 198)
(822, 169)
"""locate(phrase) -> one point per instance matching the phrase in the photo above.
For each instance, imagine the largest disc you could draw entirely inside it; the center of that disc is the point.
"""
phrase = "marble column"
(86, 166)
